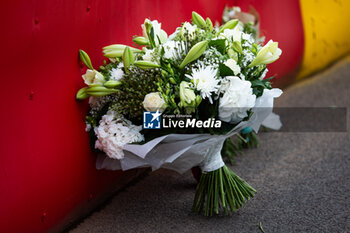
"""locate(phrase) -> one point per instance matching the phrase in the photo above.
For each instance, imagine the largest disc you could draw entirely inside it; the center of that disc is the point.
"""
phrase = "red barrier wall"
(47, 170)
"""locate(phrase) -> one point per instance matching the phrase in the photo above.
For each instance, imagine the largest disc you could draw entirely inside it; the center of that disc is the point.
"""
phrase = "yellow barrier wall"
(327, 33)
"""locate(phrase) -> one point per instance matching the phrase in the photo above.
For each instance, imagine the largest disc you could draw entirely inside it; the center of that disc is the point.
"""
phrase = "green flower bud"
(229, 25)
(164, 73)
(198, 100)
(81, 94)
(140, 40)
(237, 46)
(146, 65)
(147, 25)
(170, 69)
(99, 91)
(117, 50)
(172, 80)
(232, 54)
(112, 83)
(198, 20)
(195, 52)
(187, 95)
(85, 59)
(128, 58)
(209, 24)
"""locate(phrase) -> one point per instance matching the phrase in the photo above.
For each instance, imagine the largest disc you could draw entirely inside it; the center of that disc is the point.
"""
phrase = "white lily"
(268, 54)
(160, 36)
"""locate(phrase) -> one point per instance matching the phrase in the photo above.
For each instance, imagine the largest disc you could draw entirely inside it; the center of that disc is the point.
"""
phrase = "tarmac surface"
(302, 179)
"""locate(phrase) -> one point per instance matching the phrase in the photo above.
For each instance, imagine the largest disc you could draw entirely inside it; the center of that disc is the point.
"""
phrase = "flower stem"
(221, 189)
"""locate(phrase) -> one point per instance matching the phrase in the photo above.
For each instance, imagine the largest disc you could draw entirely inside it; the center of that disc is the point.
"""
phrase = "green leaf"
(259, 86)
(151, 38)
(219, 44)
(225, 70)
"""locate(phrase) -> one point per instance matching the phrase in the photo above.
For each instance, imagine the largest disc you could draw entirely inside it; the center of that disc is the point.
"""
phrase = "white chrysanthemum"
(205, 81)
(236, 101)
(232, 64)
(116, 74)
(113, 133)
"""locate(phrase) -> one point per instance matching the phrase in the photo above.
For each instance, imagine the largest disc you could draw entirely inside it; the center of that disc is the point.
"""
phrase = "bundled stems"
(221, 189)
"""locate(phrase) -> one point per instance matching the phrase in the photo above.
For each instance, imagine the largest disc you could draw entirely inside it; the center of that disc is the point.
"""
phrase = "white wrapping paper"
(181, 152)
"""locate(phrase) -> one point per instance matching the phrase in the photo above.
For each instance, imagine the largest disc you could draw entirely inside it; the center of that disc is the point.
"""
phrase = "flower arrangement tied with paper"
(174, 100)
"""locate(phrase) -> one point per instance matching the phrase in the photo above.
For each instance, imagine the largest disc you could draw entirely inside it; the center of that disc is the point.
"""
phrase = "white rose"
(93, 77)
(232, 64)
(153, 102)
(236, 101)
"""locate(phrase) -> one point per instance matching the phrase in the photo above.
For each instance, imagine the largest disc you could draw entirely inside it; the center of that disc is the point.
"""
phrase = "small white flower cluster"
(117, 73)
(247, 58)
(113, 133)
(248, 39)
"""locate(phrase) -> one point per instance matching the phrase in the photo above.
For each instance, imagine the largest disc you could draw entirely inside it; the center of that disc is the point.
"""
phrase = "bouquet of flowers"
(172, 101)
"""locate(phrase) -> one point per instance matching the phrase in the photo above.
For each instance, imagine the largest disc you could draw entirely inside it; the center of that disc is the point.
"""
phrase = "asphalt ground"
(302, 179)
